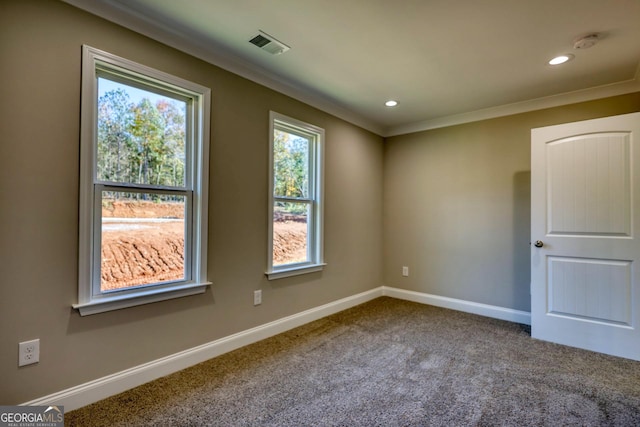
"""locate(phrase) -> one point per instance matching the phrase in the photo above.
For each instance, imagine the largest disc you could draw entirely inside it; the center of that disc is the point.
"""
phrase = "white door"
(585, 234)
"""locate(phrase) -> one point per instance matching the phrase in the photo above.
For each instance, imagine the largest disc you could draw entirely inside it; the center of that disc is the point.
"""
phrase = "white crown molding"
(590, 94)
(219, 56)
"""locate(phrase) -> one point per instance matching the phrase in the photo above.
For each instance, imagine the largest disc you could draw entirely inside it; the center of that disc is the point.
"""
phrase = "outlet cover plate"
(29, 352)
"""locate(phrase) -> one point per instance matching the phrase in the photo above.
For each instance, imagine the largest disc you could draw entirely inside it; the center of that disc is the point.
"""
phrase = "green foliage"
(140, 143)
(291, 165)
(295, 208)
(114, 137)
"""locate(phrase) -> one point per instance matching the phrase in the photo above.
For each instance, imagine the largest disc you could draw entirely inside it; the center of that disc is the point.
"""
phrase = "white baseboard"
(93, 391)
(496, 312)
(101, 388)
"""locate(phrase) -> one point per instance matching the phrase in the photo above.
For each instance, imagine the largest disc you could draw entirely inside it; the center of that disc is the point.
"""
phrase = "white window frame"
(315, 219)
(90, 299)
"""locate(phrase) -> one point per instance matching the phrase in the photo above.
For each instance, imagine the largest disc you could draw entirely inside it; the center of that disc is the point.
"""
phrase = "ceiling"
(444, 61)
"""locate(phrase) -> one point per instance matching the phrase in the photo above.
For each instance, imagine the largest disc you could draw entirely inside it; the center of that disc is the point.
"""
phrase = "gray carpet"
(388, 363)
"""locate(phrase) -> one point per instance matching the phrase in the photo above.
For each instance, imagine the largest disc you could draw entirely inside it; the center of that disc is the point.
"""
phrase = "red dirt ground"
(289, 242)
(142, 252)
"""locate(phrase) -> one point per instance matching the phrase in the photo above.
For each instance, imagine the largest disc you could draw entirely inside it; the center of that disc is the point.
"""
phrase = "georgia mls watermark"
(31, 416)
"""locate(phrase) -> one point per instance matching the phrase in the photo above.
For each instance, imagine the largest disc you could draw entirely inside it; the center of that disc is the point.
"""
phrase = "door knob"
(538, 243)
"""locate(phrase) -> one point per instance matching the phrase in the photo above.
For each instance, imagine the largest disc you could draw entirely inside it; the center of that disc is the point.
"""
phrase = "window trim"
(94, 63)
(315, 237)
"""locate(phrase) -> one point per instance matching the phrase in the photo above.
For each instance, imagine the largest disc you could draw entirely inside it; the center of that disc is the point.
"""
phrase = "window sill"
(124, 301)
(294, 271)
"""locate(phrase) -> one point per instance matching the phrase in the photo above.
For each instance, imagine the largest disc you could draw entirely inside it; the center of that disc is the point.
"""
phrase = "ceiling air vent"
(266, 42)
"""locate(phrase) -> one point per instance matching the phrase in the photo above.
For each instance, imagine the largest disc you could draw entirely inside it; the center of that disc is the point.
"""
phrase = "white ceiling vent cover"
(266, 42)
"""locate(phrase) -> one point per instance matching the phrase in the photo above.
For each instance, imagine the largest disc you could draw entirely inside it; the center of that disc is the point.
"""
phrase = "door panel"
(585, 208)
(590, 289)
(589, 188)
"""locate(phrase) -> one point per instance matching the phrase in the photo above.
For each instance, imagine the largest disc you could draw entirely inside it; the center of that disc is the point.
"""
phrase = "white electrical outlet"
(257, 297)
(405, 271)
(29, 352)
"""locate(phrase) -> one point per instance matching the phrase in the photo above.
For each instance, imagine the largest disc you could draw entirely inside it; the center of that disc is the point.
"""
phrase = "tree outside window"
(295, 209)
(144, 175)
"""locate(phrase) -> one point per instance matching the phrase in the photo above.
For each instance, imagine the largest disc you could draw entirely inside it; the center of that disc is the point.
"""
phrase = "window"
(143, 185)
(295, 197)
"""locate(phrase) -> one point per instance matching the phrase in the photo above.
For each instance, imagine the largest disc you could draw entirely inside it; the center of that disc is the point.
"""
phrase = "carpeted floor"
(388, 363)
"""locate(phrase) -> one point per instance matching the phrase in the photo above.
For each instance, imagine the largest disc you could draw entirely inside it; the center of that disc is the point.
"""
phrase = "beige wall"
(40, 45)
(457, 204)
(456, 207)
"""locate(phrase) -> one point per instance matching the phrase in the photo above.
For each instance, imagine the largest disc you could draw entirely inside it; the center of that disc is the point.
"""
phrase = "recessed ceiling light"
(391, 103)
(561, 59)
